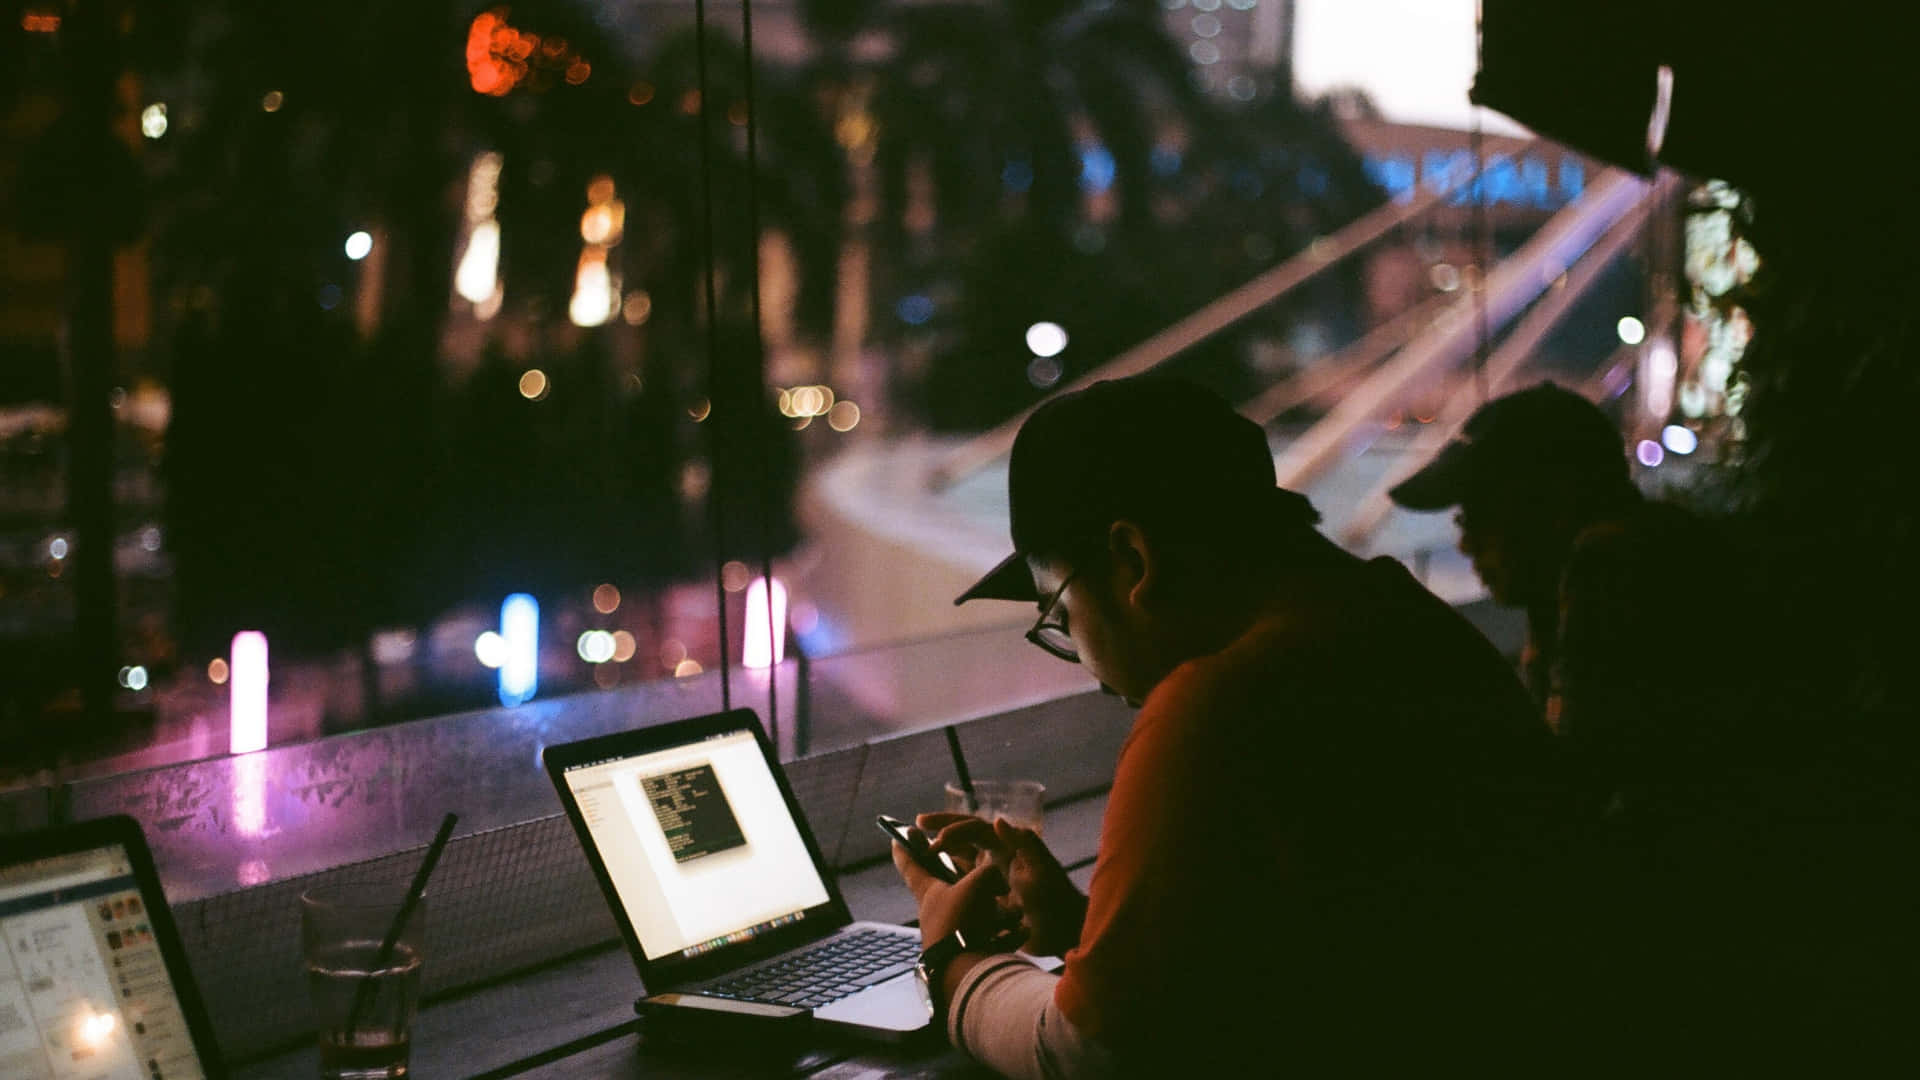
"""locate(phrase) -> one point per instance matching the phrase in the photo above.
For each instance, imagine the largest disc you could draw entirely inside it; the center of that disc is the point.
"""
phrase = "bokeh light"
(153, 120)
(217, 671)
(734, 575)
(595, 646)
(1631, 330)
(624, 646)
(1649, 453)
(606, 599)
(359, 244)
(672, 651)
(1679, 439)
(1046, 339)
(533, 384)
(489, 647)
(844, 416)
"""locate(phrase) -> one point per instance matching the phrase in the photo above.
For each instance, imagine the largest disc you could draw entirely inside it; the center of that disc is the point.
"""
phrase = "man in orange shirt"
(1318, 841)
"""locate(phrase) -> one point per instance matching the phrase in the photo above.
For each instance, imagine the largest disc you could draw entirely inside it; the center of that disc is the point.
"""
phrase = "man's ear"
(1135, 566)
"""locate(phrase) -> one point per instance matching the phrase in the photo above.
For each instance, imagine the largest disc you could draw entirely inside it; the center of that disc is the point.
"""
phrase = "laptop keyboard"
(825, 973)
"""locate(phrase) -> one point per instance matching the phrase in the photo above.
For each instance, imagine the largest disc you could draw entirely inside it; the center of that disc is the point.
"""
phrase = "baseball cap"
(1149, 448)
(1543, 434)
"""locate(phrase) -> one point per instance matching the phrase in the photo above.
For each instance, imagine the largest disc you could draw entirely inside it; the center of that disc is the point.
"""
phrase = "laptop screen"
(698, 843)
(84, 988)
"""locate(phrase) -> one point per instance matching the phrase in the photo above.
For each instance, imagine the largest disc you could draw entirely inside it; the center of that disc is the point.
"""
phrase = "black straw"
(960, 764)
(414, 892)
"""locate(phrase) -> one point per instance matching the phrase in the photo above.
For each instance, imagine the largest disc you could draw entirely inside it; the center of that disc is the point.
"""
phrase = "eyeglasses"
(1052, 636)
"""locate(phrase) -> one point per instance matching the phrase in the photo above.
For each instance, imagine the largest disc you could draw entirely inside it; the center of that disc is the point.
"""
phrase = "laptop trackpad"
(894, 1005)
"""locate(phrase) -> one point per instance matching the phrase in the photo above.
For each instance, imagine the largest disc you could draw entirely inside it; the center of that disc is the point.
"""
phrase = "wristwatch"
(934, 959)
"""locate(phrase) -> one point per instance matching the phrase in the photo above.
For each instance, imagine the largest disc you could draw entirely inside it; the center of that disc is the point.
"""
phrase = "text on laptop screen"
(84, 990)
(698, 842)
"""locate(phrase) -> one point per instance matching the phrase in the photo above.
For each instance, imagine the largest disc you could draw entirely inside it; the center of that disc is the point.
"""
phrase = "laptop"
(93, 981)
(716, 881)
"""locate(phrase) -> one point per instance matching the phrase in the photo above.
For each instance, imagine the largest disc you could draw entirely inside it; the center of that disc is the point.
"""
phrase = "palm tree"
(1040, 161)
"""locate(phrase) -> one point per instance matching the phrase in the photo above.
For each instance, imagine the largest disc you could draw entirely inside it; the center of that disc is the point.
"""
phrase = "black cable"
(760, 369)
(715, 516)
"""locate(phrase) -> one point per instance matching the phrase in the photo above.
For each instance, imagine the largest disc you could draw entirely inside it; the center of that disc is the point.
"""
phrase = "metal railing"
(1316, 259)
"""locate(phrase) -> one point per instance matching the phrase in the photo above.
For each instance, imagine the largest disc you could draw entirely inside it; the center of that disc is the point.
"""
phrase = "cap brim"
(1439, 484)
(1011, 580)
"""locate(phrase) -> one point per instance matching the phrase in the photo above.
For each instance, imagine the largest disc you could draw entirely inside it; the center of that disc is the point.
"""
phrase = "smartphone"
(937, 863)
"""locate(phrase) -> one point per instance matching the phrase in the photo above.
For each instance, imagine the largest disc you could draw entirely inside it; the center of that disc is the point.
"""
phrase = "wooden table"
(574, 1019)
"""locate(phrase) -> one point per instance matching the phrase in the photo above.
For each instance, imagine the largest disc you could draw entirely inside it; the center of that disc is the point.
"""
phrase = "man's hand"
(1050, 907)
(968, 904)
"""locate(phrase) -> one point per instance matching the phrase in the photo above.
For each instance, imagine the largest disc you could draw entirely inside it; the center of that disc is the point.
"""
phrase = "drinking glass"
(363, 1004)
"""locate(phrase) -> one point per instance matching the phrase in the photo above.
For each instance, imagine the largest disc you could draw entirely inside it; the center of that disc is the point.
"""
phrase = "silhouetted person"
(1630, 602)
(1312, 822)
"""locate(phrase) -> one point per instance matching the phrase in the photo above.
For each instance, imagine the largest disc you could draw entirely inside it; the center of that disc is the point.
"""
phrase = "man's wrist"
(944, 964)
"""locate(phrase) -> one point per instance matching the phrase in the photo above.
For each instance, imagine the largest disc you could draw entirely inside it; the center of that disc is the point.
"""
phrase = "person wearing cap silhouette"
(1327, 762)
(1553, 523)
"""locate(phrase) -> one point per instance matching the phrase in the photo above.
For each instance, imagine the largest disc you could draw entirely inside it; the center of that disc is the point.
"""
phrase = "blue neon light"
(520, 629)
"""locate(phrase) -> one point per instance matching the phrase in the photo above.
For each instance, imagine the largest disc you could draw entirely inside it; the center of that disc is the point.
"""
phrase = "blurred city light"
(491, 649)
(1659, 367)
(914, 309)
(153, 120)
(520, 664)
(393, 646)
(672, 651)
(478, 275)
(217, 671)
(477, 279)
(624, 646)
(1043, 372)
(57, 547)
(1097, 168)
(734, 575)
(38, 22)
(685, 668)
(606, 599)
(843, 416)
(247, 701)
(595, 646)
(1046, 339)
(134, 678)
(1649, 453)
(1632, 331)
(1679, 439)
(637, 307)
(359, 244)
(272, 101)
(534, 384)
(593, 291)
(765, 641)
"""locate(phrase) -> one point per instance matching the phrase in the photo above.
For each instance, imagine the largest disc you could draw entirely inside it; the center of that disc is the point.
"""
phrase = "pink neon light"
(248, 682)
(765, 642)
(250, 795)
